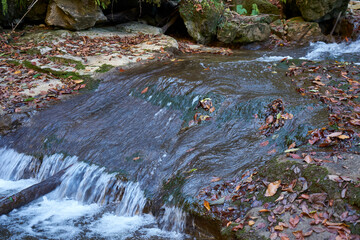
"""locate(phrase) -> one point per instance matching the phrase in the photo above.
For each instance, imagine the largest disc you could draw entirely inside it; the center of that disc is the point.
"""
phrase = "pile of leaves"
(282, 208)
(17, 78)
(275, 117)
(337, 85)
(205, 104)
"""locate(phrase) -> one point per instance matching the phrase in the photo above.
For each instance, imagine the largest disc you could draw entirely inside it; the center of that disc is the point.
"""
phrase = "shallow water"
(145, 147)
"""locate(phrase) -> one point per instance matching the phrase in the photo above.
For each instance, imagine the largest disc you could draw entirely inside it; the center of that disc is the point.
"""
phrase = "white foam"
(321, 50)
(272, 58)
(123, 227)
(7, 185)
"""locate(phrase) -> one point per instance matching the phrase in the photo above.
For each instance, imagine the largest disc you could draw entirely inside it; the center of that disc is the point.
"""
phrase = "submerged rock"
(243, 29)
(201, 18)
(74, 15)
(316, 10)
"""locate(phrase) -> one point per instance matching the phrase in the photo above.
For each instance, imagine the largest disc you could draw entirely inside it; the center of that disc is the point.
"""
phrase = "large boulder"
(201, 18)
(74, 14)
(296, 30)
(316, 10)
(236, 28)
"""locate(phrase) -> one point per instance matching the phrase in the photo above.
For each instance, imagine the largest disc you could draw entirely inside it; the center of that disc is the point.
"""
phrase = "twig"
(337, 20)
(29, 8)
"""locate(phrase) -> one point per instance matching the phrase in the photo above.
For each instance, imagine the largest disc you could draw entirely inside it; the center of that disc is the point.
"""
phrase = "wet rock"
(5, 123)
(297, 30)
(4, 233)
(74, 15)
(201, 18)
(301, 31)
(243, 29)
(315, 10)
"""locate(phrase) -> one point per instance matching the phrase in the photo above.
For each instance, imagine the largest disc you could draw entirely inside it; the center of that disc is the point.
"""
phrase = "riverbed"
(137, 159)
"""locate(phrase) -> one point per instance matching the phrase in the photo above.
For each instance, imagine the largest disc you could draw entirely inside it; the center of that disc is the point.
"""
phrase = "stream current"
(124, 144)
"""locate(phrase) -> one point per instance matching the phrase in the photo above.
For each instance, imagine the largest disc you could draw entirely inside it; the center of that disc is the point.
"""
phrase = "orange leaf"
(343, 137)
(308, 159)
(272, 188)
(215, 179)
(263, 144)
(145, 90)
(121, 70)
(207, 205)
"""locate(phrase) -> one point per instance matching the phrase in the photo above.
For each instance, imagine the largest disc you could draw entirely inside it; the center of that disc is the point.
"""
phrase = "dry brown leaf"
(215, 179)
(342, 137)
(78, 81)
(293, 145)
(251, 222)
(136, 158)
(308, 159)
(240, 226)
(272, 188)
(334, 134)
(207, 205)
(279, 228)
(264, 210)
(294, 221)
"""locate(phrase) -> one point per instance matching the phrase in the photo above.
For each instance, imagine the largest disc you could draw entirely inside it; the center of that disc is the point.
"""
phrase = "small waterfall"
(173, 220)
(104, 204)
(321, 50)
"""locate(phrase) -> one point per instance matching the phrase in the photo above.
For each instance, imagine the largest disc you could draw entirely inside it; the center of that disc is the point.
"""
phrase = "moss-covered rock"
(315, 10)
(201, 18)
(243, 29)
(265, 7)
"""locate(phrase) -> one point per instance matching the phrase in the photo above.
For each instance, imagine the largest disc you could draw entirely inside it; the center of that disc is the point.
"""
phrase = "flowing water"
(135, 162)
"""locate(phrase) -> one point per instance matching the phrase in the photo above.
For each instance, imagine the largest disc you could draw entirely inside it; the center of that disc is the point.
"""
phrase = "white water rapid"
(89, 203)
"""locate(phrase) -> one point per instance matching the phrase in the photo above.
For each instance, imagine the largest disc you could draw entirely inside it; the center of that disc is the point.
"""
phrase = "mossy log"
(31, 193)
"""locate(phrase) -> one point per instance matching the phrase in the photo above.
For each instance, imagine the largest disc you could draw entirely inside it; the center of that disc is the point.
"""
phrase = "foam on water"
(272, 58)
(88, 203)
(321, 50)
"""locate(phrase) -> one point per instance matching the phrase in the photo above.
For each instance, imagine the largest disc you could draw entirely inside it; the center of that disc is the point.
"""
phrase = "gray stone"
(243, 29)
(201, 18)
(74, 15)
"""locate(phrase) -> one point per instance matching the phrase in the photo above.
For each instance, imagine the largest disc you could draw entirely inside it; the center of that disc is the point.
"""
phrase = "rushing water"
(145, 146)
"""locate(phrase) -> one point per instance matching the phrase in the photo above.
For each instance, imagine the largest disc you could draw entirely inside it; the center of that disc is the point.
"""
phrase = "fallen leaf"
(121, 70)
(78, 81)
(298, 234)
(264, 210)
(207, 205)
(342, 137)
(251, 222)
(308, 159)
(240, 226)
(136, 158)
(263, 144)
(294, 221)
(293, 145)
(295, 156)
(17, 72)
(215, 179)
(272, 188)
(145, 90)
(334, 134)
(278, 228)
(291, 150)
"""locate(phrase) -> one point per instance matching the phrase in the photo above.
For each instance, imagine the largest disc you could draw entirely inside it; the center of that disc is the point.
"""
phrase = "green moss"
(319, 182)
(78, 64)
(242, 234)
(353, 195)
(104, 68)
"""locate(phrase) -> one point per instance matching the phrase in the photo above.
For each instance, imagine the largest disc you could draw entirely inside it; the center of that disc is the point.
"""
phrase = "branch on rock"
(31, 193)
